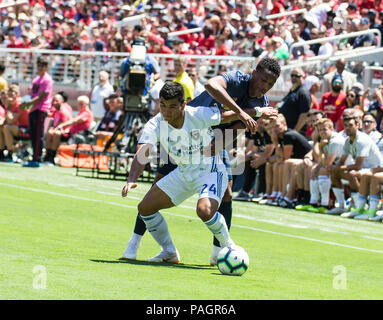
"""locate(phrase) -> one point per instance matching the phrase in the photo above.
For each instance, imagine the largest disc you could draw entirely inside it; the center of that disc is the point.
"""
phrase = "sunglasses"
(296, 75)
(367, 122)
(351, 95)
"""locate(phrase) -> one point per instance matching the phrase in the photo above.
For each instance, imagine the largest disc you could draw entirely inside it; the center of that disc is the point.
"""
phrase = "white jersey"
(364, 146)
(97, 99)
(184, 145)
(335, 145)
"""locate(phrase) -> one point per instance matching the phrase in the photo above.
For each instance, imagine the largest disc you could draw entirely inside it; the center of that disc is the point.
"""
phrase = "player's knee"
(204, 211)
(142, 208)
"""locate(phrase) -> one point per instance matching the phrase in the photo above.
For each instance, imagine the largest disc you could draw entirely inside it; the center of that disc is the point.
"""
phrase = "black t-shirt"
(300, 144)
(260, 140)
(296, 102)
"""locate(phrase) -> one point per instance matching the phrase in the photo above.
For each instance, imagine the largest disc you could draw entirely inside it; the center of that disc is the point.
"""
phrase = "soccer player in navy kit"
(242, 93)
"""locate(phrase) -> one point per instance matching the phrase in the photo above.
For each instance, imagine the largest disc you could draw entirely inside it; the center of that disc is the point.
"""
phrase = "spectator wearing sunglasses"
(369, 125)
(296, 103)
(352, 99)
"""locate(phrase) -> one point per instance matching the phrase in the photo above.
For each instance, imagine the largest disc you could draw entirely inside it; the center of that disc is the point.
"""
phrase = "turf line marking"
(193, 218)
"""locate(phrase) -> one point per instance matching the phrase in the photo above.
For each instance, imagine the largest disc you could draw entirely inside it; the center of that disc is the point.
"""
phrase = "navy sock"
(140, 226)
(226, 210)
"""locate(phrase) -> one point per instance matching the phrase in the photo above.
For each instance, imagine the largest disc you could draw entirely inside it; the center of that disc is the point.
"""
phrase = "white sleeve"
(149, 134)
(208, 116)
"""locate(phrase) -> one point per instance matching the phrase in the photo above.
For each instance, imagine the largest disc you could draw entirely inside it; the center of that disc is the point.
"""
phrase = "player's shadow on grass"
(159, 264)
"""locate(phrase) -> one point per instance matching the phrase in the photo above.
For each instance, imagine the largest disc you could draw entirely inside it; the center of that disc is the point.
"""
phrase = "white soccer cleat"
(164, 256)
(336, 211)
(130, 252)
(353, 213)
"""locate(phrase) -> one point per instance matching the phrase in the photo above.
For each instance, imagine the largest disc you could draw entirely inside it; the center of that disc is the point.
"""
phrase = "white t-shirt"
(335, 145)
(364, 146)
(184, 145)
(97, 99)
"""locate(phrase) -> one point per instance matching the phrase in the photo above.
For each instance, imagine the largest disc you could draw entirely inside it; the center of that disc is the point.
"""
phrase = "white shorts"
(209, 185)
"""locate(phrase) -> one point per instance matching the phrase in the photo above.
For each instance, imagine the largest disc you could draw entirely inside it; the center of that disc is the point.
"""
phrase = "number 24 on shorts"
(212, 188)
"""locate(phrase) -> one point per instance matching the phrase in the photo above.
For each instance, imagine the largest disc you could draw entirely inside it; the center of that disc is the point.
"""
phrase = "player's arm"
(217, 87)
(140, 160)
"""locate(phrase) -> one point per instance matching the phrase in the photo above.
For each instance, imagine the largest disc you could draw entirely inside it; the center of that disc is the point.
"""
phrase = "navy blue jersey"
(237, 86)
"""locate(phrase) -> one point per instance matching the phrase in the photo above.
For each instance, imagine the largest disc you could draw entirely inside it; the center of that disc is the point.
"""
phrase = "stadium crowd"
(322, 154)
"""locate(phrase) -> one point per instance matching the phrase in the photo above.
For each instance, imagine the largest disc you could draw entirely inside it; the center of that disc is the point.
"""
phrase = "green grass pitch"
(62, 236)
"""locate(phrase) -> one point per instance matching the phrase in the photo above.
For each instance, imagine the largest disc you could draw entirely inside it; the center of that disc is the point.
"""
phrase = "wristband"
(258, 112)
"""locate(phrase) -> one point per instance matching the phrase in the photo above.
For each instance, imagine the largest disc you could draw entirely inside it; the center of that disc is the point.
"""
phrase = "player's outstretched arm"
(138, 165)
(216, 87)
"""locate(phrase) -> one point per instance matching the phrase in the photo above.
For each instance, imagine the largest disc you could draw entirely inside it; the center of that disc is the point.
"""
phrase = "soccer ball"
(232, 261)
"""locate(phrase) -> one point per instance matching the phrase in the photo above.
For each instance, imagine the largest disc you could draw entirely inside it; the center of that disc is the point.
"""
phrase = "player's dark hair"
(172, 90)
(269, 64)
(64, 95)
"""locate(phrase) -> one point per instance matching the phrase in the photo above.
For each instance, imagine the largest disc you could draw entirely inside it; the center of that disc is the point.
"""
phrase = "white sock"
(374, 202)
(217, 225)
(274, 194)
(158, 228)
(324, 183)
(135, 239)
(314, 191)
(361, 201)
(354, 197)
(339, 195)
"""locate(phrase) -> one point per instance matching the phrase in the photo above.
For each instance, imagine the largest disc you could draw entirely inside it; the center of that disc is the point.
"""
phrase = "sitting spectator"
(83, 121)
(16, 122)
(312, 84)
(366, 156)
(111, 119)
(352, 99)
(349, 78)
(376, 105)
(364, 40)
(59, 115)
(369, 127)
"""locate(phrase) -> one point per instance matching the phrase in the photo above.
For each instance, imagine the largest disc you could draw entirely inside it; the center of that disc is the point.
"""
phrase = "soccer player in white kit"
(183, 132)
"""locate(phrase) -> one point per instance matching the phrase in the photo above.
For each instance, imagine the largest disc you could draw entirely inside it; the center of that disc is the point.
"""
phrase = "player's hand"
(269, 113)
(127, 188)
(249, 122)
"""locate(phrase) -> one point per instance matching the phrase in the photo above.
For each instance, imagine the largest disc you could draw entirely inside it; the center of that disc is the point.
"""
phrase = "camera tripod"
(127, 123)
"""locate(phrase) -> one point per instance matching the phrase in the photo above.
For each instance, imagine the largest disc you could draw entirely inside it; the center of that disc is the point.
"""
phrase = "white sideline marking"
(192, 218)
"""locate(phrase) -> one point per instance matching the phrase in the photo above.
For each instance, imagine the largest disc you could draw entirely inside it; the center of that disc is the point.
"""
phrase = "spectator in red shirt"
(179, 20)
(67, 129)
(220, 47)
(334, 102)
(206, 40)
(13, 41)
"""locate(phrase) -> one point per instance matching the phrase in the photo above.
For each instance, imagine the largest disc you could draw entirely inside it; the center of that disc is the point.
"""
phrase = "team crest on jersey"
(195, 134)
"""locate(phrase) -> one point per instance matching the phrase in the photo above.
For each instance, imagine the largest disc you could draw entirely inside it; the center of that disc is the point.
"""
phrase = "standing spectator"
(100, 92)
(3, 82)
(183, 78)
(334, 102)
(41, 94)
(296, 103)
(198, 86)
(348, 78)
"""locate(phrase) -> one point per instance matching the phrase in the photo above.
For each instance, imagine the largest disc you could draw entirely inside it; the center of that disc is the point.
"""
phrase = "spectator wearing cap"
(303, 28)
(364, 40)
(235, 23)
(252, 25)
(334, 102)
(348, 78)
(281, 51)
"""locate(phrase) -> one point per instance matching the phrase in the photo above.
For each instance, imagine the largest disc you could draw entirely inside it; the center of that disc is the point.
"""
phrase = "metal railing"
(80, 68)
(338, 37)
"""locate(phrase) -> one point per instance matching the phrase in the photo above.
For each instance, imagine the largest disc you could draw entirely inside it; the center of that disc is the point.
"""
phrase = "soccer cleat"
(130, 252)
(378, 216)
(353, 213)
(317, 210)
(243, 196)
(164, 256)
(270, 200)
(303, 207)
(32, 164)
(286, 204)
(336, 211)
(258, 198)
(366, 215)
